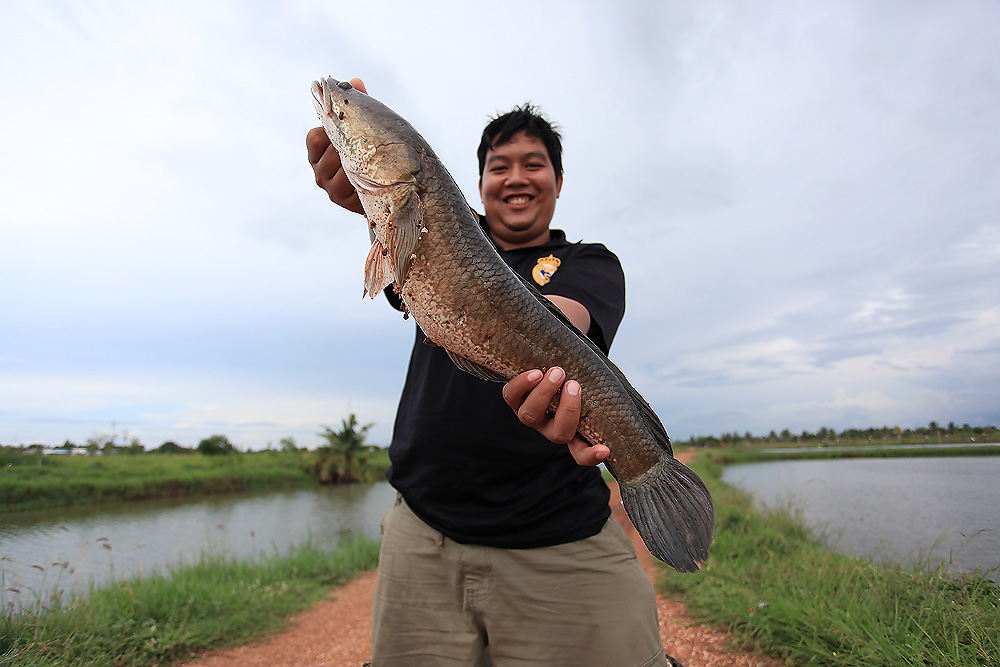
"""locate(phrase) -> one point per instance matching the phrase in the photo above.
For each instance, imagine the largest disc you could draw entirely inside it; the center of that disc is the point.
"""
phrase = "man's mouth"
(517, 200)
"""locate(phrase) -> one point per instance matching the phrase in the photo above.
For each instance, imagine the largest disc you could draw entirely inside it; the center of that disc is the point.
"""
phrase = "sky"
(805, 198)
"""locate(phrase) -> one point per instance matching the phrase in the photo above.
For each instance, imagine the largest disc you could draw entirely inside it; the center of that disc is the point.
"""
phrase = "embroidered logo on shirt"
(546, 266)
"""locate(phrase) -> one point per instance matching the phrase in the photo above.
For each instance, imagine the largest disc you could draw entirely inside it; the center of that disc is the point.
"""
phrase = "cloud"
(881, 309)
(803, 197)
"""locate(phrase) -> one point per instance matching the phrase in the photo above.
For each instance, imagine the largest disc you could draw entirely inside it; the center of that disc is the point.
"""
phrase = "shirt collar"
(557, 238)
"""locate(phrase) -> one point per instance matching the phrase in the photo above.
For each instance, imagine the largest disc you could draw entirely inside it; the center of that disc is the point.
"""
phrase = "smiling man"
(519, 186)
(498, 537)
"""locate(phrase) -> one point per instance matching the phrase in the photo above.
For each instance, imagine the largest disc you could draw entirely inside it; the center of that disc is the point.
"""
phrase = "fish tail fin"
(672, 510)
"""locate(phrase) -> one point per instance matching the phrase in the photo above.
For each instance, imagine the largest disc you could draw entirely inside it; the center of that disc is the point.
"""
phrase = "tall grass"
(160, 619)
(74, 480)
(771, 583)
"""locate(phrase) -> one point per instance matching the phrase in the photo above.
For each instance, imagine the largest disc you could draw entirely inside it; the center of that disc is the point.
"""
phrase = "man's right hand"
(325, 161)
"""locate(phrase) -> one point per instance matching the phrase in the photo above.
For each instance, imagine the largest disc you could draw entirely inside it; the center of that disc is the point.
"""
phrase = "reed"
(772, 584)
(159, 619)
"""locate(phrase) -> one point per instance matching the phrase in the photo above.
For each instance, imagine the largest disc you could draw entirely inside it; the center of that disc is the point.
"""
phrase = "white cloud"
(882, 309)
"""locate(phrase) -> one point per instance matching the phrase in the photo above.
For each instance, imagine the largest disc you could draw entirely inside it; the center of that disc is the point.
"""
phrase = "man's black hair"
(527, 119)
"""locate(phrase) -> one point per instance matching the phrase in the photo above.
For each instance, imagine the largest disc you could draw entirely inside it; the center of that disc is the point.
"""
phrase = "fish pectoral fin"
(378, 273)
(478, 370)
(402, 230)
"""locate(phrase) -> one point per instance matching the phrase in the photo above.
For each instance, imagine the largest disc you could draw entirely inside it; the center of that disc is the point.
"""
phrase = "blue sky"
(805, 198)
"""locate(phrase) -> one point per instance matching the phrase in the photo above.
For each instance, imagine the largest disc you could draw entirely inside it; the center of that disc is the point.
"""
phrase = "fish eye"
(345, 85)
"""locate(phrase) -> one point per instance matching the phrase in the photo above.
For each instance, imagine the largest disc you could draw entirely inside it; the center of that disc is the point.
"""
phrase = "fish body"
(493, 323)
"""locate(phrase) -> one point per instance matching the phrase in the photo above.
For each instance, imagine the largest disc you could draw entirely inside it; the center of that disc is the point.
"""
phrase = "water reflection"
(892, 509)
(70, 547)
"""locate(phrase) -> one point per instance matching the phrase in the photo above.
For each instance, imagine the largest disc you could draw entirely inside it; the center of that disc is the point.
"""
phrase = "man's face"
(519, 189)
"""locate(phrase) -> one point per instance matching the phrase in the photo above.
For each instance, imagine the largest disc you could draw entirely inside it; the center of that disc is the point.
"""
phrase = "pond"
(68, 548)
(944, 509)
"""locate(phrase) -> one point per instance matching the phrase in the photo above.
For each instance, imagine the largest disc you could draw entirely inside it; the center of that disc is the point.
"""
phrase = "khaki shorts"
(582, 604)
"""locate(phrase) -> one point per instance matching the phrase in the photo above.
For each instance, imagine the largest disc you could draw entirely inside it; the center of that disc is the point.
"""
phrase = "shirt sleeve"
(592, 275)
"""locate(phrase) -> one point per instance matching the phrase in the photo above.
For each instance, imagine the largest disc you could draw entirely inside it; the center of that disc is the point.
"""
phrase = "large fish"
(492, 322)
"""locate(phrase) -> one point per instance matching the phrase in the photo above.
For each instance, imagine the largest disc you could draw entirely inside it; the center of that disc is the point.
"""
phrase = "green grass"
(736, 455)
(161, 619)
(778, 590)
(74, 480)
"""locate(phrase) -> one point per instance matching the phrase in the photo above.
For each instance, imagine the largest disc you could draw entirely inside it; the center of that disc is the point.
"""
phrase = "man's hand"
(325, 161)
(529, 395)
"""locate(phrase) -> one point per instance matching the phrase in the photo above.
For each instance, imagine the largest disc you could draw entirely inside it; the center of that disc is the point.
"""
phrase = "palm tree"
(340, 461)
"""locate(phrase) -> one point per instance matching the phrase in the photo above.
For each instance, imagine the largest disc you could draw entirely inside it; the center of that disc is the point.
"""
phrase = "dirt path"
(336, 632)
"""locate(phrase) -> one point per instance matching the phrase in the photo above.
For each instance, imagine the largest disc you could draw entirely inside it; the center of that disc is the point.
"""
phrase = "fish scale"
(494, 324)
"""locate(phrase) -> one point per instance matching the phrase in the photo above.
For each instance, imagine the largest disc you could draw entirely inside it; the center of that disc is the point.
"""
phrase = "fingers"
(359, 84)
(530, 394)
(562, 427)
(532, 409)
(316, 144)
(329, 173)
(587, 455)
(518, 387)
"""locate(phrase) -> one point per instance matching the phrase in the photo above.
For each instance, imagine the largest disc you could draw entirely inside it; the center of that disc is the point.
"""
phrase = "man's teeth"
(520, 199)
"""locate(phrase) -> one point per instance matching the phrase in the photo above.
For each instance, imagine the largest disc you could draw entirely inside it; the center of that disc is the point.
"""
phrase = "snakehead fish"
(493, 323)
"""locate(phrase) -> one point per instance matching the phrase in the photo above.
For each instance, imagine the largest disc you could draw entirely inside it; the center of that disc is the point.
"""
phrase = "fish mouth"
(321, 94)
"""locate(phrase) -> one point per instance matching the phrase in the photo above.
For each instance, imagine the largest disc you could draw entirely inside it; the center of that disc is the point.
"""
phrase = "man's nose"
(516, 175)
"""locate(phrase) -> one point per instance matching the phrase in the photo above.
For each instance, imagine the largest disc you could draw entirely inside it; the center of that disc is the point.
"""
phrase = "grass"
(160, 619)
(736, 455)
(778, 590)
(41, 482)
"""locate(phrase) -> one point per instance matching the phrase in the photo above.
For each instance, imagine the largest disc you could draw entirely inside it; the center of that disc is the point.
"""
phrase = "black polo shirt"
(460, 457)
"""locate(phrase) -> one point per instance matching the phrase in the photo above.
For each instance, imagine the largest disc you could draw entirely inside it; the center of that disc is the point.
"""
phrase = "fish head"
(378, 148)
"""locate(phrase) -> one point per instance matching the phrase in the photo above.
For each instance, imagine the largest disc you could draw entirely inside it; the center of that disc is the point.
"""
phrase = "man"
(499, 537)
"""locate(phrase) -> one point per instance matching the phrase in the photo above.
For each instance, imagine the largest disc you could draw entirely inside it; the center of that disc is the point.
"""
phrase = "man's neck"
(541, 239)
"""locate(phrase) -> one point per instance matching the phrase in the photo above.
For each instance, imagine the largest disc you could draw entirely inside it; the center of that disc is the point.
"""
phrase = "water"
(67, 549)
(900, 510)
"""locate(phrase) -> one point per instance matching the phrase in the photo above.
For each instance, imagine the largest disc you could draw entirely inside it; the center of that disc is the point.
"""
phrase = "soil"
(336, 632)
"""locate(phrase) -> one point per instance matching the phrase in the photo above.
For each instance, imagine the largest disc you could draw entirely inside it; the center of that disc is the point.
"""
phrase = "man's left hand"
(530, 394)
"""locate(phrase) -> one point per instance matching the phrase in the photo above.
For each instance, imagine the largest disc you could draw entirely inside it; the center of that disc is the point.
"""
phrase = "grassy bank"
(37, 482)
(158, 620)
(735, 455)
(769, 582)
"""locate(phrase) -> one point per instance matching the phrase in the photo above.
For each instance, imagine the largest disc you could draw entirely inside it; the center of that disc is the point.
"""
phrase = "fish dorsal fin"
(473, 368)
(652, 422)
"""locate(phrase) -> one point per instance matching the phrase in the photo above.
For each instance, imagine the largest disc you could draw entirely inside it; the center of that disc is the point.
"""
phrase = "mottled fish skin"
(496, 325)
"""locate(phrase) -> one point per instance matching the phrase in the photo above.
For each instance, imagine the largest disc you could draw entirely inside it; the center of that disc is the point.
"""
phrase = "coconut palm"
(340, 459)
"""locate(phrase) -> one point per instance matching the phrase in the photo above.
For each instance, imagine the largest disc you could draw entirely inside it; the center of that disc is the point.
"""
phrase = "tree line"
(933, 433)
(351, 432)
(340, 447)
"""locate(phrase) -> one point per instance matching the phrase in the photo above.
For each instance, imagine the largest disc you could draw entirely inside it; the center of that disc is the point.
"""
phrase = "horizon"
(946, 427)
